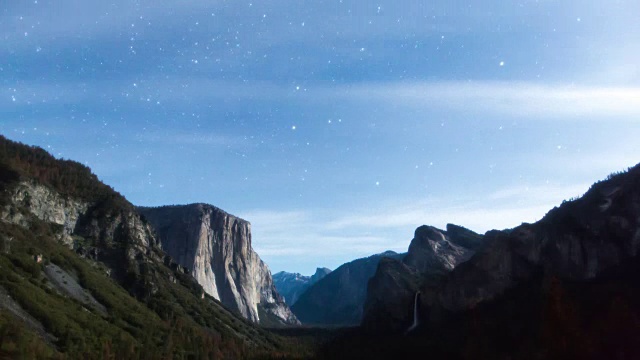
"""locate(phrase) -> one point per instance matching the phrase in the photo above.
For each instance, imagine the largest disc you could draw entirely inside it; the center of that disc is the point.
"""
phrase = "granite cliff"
(216, 248)
(83, 274)
(432, 254)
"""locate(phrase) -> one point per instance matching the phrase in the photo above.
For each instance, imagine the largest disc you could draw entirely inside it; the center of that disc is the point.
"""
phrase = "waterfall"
(415, 324)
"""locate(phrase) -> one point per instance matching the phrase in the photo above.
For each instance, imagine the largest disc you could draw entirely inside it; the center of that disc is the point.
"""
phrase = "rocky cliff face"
(216, 247)
(565, 287)
(213, 245)
(116, 234)
(102, 225)
(435, 250)
(292, 285)
(80, 264)
(338, 299)
(432, 254)
(320, 274)
(578, 241)
(46, 205)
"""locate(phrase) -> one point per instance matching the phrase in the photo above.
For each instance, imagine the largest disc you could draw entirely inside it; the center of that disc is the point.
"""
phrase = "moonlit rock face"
(48, 206)
(432, 250)
(122, 227)
(216, 248)
(391, 303)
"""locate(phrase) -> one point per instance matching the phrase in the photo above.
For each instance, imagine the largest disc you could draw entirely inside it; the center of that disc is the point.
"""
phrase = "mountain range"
(359, 290)
(565, 287)
(292, 285)
(86, 274)
(338, 299)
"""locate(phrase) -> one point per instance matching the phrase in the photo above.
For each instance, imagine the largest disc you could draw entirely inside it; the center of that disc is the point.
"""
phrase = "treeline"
(67, 177)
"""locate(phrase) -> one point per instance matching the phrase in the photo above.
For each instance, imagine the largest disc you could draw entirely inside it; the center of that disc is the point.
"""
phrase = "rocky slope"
(338, 299)
(82, 274)
(109, 228)
(292, 285)
(432, 254)
(216, 248)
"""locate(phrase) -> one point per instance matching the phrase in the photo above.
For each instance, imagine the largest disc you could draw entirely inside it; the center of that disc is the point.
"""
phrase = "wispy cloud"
(500, 209)
(596, 164)
(317, 235)
(194, 139)
(44, 93)
(326, 246)
(186, 90)
(522, 99)
(279, 235)
(63, 20)
(526, 101)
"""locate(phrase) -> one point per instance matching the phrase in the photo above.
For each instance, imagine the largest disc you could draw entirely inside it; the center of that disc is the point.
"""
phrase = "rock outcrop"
(434, 250)
(109, 227)
(320, 274)
(47, 205)
(338, 299)
(432, 254)
(578, 241)
(216, 248)
(292, 285)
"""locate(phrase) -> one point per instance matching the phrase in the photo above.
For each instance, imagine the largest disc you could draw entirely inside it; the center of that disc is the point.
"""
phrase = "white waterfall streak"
(415, 313)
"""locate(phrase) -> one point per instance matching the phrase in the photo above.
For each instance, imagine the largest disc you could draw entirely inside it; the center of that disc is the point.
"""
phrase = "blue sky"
(335, 127)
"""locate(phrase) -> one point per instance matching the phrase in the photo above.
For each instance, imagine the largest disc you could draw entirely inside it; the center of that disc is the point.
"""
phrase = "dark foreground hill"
(566, 287)
(82, 275)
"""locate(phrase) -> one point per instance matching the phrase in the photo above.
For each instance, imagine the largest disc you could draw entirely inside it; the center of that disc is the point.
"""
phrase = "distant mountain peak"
(292, 285)
(322, 270)
(339, 297)
(387, 253)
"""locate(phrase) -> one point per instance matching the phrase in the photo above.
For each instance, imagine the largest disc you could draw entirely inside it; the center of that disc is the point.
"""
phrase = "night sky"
(335, 127)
